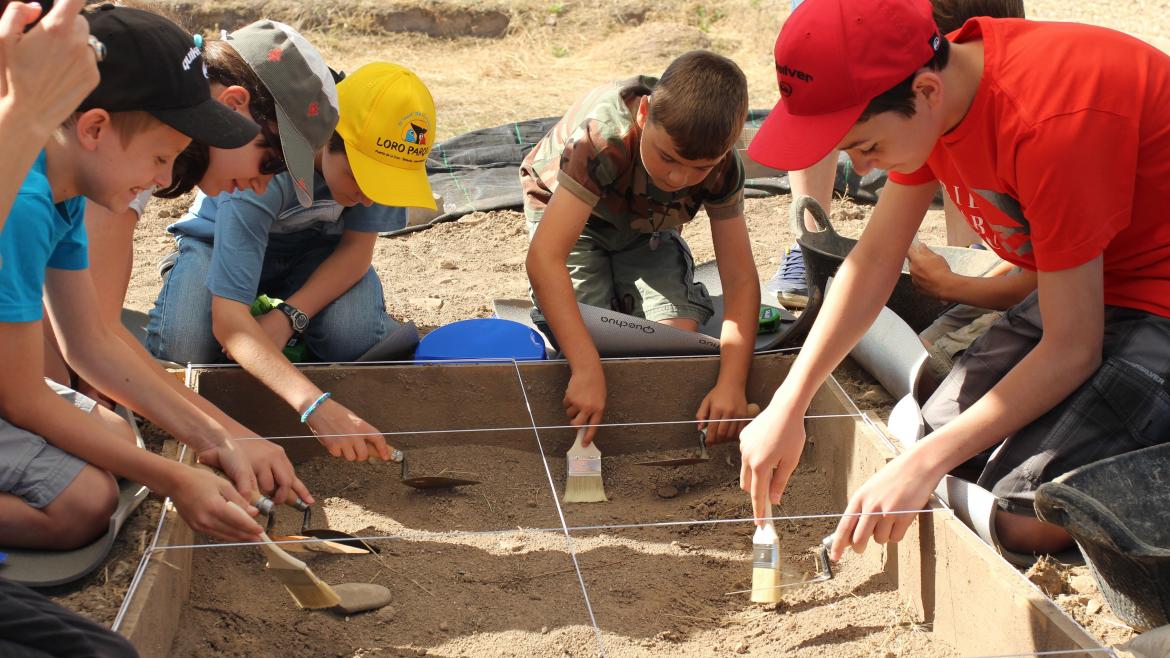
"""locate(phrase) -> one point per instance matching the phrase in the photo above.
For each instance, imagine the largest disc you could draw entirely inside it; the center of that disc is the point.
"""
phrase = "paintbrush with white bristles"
(583, 464)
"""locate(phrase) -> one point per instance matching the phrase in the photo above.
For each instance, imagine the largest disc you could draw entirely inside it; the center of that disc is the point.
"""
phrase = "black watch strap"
(297, 319)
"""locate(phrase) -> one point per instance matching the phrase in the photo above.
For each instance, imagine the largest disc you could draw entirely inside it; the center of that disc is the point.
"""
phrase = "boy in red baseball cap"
(1037, 132)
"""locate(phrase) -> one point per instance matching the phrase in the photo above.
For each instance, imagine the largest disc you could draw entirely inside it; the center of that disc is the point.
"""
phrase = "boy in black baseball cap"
(57, 451)
(153, 66)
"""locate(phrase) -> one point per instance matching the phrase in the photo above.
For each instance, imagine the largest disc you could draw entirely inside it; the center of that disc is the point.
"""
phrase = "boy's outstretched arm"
(1072, 309)
(92, 348)
(559, 229)
(771, 444)
(340, 430)
(111, 261)
(737, 336)
(27, 402)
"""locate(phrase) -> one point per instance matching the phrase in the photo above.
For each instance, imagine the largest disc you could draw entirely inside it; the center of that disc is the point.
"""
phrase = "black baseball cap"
(152, 65)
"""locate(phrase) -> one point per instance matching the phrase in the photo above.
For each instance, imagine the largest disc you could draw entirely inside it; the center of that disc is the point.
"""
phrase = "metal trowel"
(703, 456)
(333, 541)
(424, 481)
(439, 481)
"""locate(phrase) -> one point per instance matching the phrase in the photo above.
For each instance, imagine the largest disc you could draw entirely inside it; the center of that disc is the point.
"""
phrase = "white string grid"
(561, 514)
(1060, 652)
(527, 428)
(566, 529)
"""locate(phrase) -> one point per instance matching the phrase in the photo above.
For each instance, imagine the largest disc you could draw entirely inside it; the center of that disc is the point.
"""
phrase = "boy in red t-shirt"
(1052, 139)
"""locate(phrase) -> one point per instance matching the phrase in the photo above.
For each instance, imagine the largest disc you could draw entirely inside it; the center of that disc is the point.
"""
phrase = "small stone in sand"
(360, 597)
(1081, 582)
(433, 303)
(511, 545)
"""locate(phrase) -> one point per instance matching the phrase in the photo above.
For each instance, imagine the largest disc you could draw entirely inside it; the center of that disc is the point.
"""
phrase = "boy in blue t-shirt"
(57, 453)
(316, 259)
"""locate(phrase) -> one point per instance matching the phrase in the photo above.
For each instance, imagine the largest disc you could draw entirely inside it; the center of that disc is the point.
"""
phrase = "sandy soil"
(550, 54)
(512, 590)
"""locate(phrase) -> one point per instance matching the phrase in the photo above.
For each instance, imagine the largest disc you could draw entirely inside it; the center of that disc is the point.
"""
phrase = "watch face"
(296, 317)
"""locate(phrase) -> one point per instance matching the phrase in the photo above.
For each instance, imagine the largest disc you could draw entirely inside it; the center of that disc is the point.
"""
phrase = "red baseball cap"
(832, 58)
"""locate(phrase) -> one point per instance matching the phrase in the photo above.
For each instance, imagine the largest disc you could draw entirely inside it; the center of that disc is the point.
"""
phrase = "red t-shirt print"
(1011, 237)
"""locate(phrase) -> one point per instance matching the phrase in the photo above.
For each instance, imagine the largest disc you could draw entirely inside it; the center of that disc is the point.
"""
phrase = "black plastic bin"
(1118, 510)
(825, 250)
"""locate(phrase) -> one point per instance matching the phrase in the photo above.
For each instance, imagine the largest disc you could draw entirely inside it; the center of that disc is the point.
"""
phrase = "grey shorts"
(620, 271)
(33, 468)
(1124, 406)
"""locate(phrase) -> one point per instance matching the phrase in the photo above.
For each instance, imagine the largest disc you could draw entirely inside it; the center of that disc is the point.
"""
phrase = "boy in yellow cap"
(316, 259)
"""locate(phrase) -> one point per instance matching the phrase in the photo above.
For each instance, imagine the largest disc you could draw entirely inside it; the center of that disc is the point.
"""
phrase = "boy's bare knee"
(1025, 534)
(82, 512)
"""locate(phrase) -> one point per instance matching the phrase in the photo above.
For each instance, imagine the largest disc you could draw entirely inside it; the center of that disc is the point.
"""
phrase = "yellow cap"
(388, 124)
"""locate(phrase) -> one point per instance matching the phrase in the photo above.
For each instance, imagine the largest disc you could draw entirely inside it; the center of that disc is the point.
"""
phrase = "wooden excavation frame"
(968, 595)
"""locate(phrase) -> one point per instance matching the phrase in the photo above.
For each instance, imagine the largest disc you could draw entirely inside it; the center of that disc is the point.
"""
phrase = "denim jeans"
(180, 327)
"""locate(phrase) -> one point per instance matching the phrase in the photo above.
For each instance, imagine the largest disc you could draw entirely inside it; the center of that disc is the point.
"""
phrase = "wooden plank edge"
(946, 591)
(152, 618)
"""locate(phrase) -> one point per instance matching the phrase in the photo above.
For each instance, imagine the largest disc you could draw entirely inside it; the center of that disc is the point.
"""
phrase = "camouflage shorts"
(621, 272)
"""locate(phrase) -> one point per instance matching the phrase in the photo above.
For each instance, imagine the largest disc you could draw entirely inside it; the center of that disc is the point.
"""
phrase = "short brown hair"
(127, 124)
(701, 101)
(949, 15)
(227, 67)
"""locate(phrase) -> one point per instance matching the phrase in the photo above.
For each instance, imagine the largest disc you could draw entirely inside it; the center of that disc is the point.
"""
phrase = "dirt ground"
(513, 591)
(550, 53)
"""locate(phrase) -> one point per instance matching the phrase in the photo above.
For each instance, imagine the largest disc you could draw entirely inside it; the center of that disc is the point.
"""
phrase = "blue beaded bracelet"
(313, 407)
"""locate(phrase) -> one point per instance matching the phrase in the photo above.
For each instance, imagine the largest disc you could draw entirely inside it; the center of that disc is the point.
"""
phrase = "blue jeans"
(180, 327)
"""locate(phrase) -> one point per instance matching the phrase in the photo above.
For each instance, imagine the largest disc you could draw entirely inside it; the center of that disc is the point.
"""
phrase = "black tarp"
(479, 171)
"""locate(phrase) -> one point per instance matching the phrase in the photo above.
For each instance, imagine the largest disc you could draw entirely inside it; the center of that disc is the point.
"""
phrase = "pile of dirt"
(442, 18)
(487, 570)
(1075, 591)
(654, 45)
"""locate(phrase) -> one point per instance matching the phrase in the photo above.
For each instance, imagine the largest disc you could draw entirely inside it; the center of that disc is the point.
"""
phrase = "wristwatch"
(296, 318)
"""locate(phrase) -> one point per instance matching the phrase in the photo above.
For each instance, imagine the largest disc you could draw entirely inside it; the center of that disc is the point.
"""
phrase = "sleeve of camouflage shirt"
(593, 158)
(724, 187)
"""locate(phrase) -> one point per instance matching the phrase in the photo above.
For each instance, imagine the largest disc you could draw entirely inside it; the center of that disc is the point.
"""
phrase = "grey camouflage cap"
(305, 95)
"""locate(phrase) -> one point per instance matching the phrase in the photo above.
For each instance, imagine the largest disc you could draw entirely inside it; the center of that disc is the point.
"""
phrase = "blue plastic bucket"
(482, 338)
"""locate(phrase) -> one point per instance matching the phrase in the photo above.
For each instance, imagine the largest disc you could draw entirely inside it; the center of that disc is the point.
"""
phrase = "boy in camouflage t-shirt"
(605, 193)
